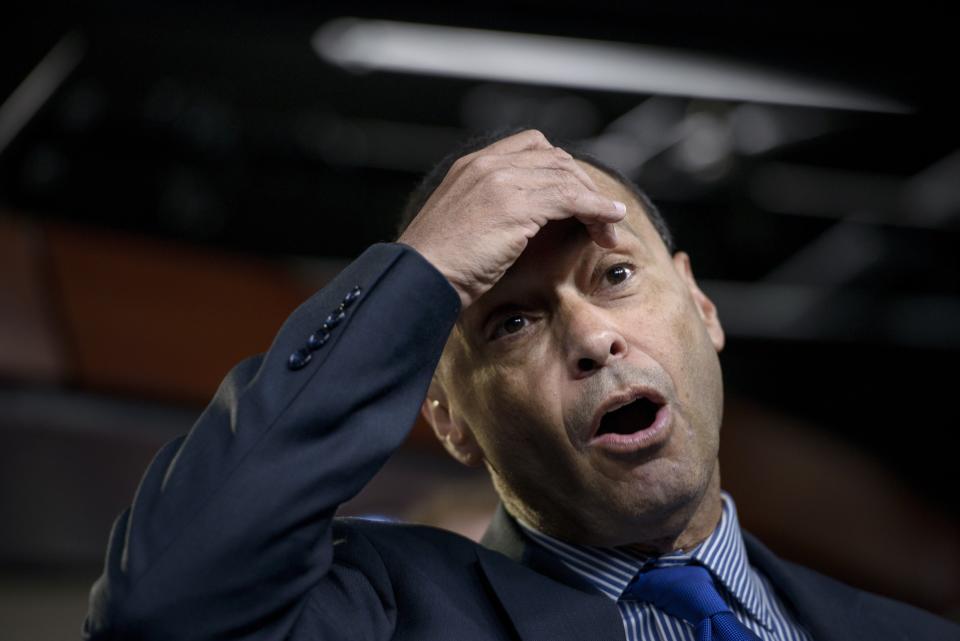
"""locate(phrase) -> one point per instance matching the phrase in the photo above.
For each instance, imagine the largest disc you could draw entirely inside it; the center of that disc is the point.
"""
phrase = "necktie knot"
(688, 592)
(685, 591)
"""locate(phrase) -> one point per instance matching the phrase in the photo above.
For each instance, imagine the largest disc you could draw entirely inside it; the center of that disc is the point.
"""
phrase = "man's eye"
(619, 273)
(510, 325)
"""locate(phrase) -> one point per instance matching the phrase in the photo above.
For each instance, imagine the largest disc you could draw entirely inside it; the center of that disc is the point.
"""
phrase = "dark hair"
(419, 196)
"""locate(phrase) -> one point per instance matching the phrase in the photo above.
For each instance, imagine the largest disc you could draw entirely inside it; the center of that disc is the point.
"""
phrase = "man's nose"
(593, 340)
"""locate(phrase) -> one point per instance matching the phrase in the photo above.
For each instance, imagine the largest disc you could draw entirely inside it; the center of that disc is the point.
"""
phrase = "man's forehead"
(636, 220)
(569, 237)
(602, 178)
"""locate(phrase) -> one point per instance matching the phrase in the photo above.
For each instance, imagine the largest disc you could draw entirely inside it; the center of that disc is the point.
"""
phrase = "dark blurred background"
(175, 179)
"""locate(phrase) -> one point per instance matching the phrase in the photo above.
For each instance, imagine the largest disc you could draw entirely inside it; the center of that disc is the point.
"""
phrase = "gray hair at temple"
(419, 196)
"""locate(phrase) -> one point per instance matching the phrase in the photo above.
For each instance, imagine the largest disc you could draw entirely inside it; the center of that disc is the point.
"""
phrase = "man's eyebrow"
(484, 317)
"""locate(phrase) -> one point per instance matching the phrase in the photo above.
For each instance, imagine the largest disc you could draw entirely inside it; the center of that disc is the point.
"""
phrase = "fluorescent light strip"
(34, 91)
(364, 45)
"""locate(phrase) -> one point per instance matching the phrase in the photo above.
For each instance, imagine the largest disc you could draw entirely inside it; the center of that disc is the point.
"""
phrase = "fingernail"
(612, 231)
(620, 206)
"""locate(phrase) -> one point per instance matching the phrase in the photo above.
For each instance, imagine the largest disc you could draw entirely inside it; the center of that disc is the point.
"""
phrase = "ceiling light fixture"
(381, 45)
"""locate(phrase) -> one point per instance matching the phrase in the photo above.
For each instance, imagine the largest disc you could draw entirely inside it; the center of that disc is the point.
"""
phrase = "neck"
(675, 528)
(692, 529)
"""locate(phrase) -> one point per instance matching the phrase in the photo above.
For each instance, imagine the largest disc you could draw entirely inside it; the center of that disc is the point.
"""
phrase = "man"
(579, 365)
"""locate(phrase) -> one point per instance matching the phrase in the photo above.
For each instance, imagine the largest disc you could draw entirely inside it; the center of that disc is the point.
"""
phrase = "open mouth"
(629, 419)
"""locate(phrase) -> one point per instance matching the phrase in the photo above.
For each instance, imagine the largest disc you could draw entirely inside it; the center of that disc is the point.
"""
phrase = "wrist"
(465, 298)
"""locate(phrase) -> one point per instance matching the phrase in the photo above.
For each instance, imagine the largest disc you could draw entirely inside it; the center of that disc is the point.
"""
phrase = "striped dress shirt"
(749, 594)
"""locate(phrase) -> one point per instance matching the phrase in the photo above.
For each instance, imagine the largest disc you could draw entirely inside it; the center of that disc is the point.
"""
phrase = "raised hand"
(492, 202)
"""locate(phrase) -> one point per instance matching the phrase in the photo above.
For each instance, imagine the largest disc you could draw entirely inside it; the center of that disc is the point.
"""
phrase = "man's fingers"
(597, 212)
(603, 234)
(553, 158)
(523, 141)
(588, 206)
(475, 224)
(529, 139)
(583, 175)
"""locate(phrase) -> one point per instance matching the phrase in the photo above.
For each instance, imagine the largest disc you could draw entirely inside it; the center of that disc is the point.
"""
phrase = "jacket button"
(299, 359)
(316, 340)
(351, 297)
(333, 319)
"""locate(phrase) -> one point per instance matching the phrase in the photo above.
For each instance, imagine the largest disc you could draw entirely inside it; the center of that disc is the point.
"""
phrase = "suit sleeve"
(231, 524)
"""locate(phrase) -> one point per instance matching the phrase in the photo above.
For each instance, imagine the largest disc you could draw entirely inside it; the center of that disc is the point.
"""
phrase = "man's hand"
(492, 202)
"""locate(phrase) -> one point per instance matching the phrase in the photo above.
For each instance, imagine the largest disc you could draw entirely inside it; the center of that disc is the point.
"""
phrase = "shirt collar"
(610, 570)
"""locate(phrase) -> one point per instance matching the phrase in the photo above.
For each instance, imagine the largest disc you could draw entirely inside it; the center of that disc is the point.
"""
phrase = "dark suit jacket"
(231, 534)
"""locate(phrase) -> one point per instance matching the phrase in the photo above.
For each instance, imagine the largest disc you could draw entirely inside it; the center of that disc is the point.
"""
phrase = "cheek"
(516, 410)
(697, 367)
(510, 404)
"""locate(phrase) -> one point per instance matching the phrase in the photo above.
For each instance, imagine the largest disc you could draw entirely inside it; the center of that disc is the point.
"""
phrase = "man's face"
(537, 368)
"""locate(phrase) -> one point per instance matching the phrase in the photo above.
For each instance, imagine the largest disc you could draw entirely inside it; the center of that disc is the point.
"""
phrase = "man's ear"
(705, 306)
(449, 427)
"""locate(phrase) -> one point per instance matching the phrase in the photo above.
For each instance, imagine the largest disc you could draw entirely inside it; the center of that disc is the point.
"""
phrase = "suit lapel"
(821, 605)
(544, 600)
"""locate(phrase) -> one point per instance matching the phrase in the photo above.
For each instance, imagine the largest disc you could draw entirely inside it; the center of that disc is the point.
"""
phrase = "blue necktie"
(687, 592)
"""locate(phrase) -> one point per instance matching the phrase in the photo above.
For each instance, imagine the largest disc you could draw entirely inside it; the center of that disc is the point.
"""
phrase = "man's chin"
(653, 506)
